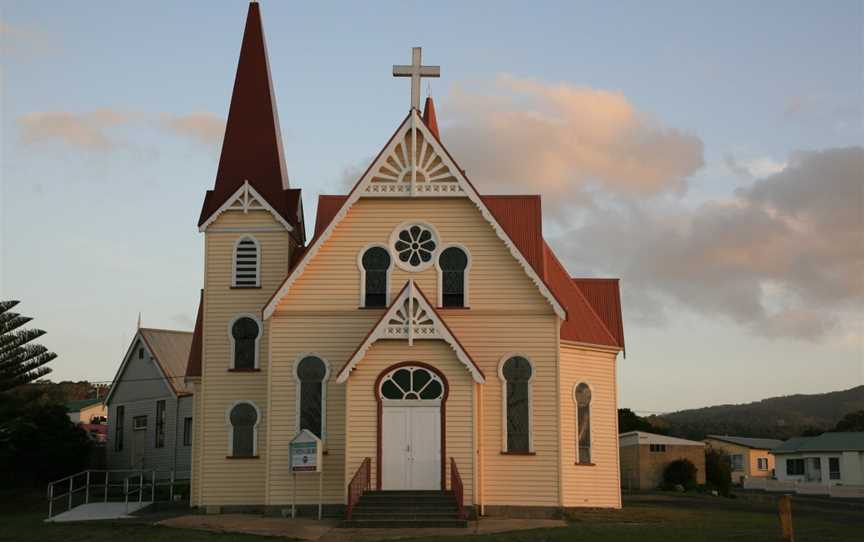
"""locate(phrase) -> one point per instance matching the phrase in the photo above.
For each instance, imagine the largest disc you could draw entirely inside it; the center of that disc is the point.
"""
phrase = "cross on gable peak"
(416, 71)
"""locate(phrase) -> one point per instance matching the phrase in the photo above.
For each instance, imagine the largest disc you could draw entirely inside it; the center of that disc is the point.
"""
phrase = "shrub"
(680, 472)
(718, 472)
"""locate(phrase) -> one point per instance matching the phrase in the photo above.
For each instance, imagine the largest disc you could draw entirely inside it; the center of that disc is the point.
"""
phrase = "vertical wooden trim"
(380, 409)
(559, 413)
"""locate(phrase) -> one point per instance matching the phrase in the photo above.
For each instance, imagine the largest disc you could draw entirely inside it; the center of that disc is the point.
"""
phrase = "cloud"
(205, 128)
(560, 139)
(90, 130)
(753, 168)
(783, 256)
(108, 129)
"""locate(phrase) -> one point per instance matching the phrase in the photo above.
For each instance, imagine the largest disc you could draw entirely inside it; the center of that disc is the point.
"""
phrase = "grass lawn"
(686, 518)
(22, 515)
(645, 518)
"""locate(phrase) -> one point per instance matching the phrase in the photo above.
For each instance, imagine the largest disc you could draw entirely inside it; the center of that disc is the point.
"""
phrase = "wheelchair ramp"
(100, 510)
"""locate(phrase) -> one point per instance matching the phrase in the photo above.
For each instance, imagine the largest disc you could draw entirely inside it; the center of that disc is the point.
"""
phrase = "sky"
(708, 154)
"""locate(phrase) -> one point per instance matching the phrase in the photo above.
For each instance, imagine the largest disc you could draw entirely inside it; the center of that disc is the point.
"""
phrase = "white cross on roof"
(416, 71)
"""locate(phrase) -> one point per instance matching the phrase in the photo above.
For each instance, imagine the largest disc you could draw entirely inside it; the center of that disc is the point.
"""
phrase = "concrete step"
(402, 514)
(404, 523)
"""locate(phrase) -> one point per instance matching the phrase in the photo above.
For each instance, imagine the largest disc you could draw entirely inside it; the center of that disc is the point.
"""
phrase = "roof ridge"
(164, 330)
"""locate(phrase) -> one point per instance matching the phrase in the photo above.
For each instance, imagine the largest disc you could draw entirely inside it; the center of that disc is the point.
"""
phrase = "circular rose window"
(415, 246)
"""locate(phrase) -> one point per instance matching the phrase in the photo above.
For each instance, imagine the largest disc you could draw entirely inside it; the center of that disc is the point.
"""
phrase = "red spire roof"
(252, 148)
(429, 117)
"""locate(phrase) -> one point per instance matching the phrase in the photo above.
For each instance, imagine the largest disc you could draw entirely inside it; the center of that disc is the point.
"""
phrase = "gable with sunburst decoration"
(411, 317)
(413, 165)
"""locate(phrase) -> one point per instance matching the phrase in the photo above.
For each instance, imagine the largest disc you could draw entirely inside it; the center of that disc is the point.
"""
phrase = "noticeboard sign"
(305, 452)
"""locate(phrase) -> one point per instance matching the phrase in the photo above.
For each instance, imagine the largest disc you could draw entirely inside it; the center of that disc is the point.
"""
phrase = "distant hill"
(777, 417)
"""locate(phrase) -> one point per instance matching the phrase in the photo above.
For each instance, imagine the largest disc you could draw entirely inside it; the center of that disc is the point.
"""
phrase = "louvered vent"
(246, 261)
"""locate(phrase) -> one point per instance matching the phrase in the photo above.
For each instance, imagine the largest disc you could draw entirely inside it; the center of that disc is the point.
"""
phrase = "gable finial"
(416, 71)
(139, 319)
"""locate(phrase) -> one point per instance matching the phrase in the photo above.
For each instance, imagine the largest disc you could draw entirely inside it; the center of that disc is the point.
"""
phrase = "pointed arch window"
(517, 372)
(375, 264)
(247, 263)
(243, 420)
(453, 279)
(582, 396)
(311, 374)
(245, 333)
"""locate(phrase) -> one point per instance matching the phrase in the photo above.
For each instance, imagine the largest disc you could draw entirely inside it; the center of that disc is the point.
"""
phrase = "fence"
(116, 486)
(805, 488)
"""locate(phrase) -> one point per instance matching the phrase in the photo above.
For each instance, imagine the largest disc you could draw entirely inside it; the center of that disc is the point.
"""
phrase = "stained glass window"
(583, 421)
(243, 418)
(376, 262)
(517, 373)
(244, 332)
(311, 371)
(453, 262)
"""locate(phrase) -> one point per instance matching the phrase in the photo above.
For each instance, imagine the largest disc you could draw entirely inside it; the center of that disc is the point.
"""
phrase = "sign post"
(306, 456)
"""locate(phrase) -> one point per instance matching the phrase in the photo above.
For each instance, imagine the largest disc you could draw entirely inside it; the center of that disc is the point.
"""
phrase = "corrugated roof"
(79, 404)
(193, 365)
(826, 442)
(171, 350)
(643, 437)
(605, 297)
(252, 146)
(328, 207)
(583, 324)
(522, 218)
(755, 443)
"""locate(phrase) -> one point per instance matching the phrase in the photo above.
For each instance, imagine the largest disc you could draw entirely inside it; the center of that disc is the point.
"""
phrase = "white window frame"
(231, 427)
(257, 339)
(257, 262)
(387, 291)
(324, 381)
(136, 427)
(590, 415)
(467, 300)
(394, 235)
(501, 363)
(760, 461)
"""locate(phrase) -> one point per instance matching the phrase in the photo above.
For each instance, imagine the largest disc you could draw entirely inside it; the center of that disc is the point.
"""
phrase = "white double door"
(410, 446)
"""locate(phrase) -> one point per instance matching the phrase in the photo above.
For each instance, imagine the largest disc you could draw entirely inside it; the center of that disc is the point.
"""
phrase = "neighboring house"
(150, 421)
(748, 457)
(829, 459)
(424, 326)
(86, 410)
(644, 457)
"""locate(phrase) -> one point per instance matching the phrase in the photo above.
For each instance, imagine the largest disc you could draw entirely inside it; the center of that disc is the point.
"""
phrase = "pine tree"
(20, 362)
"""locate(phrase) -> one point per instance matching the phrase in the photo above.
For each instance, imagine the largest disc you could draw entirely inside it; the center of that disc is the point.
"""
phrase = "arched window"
(516, 373)
(582, 396)
(453, 263)
(245, 332)
(311, 374)
(243, 419)
(412, 384)
(376, 268)
(247, 263)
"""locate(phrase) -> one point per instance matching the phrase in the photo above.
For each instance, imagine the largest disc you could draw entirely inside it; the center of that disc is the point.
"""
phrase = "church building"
(426, 332)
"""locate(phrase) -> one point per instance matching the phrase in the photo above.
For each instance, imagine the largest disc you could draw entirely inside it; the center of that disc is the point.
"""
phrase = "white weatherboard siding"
(851, 467)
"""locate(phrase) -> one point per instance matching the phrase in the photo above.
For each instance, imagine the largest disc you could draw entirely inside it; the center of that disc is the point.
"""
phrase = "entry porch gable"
(411, 317)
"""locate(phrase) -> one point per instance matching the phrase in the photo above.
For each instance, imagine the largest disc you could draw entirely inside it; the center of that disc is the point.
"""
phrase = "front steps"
(397, 509)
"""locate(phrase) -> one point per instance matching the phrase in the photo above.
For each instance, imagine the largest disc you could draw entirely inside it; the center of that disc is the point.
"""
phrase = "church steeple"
(252, 147)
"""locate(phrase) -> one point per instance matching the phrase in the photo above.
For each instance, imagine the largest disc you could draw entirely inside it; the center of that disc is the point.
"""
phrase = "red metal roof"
(328, 206)
(193, 366)
(605, 297)
(429, 117)
(522, 218)
(252, 147)
(583, 324)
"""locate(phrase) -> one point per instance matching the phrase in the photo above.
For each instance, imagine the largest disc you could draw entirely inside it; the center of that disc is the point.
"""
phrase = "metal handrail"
(457, 488)
(361, 482)
(92, 480)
